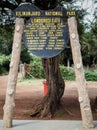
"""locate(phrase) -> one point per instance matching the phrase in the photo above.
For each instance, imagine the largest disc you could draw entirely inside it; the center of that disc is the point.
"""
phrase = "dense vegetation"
(67, 73)
(4, 62)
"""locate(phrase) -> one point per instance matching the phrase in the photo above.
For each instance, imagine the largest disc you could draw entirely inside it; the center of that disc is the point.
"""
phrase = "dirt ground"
(27, 96)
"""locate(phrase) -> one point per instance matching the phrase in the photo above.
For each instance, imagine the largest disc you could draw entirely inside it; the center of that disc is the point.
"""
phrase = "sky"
(90, 6)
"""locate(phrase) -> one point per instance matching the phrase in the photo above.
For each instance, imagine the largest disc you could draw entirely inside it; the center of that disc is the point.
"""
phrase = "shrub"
(67, 74)
(91, 75)
(37, 70)
(36, 67)
(25, 56)
(70, 74)
(4, 63)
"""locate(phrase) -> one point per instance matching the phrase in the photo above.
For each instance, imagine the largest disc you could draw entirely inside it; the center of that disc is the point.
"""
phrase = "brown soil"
(28, 97)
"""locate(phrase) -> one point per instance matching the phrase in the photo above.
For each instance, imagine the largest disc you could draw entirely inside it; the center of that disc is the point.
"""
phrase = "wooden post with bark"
(13, 73)
(80, 78)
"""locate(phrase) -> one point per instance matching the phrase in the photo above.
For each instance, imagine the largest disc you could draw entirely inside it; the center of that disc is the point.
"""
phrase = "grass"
(30, 82)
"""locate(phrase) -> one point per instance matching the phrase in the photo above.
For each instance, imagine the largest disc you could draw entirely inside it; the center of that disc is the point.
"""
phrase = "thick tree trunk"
(55, 84)
(80, 78)
(13, 73)
(55, 87)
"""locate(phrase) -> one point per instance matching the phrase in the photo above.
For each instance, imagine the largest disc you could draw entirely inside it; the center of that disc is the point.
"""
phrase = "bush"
(37, 71)
(4, 63)
(91, 75)
(36, 67)
(25, 56)
(67, 74)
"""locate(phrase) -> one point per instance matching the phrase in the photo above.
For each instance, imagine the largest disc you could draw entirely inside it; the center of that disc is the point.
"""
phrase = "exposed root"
(42, 109)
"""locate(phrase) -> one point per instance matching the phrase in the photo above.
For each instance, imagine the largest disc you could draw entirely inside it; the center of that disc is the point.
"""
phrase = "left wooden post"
(13, 73)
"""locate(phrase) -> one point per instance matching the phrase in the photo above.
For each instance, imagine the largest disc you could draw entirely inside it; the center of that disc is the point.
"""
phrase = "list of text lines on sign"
(46, 32)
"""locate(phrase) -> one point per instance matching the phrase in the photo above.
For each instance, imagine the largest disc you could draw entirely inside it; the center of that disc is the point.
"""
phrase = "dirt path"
(28, 96)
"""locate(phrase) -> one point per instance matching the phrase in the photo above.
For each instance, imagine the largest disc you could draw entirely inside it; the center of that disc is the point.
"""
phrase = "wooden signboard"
(46, 32)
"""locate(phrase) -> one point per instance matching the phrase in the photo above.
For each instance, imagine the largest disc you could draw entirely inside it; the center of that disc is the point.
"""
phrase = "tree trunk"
(56, 87)
(80, 78)
(13, 73)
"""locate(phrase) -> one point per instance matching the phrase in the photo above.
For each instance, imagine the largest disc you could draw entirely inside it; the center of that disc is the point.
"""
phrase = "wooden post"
(13, 73)
(80, 78)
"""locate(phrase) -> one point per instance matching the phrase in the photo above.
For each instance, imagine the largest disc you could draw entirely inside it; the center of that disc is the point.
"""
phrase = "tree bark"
(56, 87)
(55, 84)
(13, 73)
(80, 78)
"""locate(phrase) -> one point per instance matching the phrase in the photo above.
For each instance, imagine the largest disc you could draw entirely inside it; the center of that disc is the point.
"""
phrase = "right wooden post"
(80, 77)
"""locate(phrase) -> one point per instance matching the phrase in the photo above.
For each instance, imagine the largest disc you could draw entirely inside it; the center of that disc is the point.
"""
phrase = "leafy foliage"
(46, 4)
(6, 39)
(89, 46)
(91, 76)
(4, 63)
(25, 56)
(67, 74)
(36, 67)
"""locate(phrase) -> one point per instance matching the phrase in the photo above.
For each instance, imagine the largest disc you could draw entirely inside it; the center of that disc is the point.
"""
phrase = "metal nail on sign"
(46, 31)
